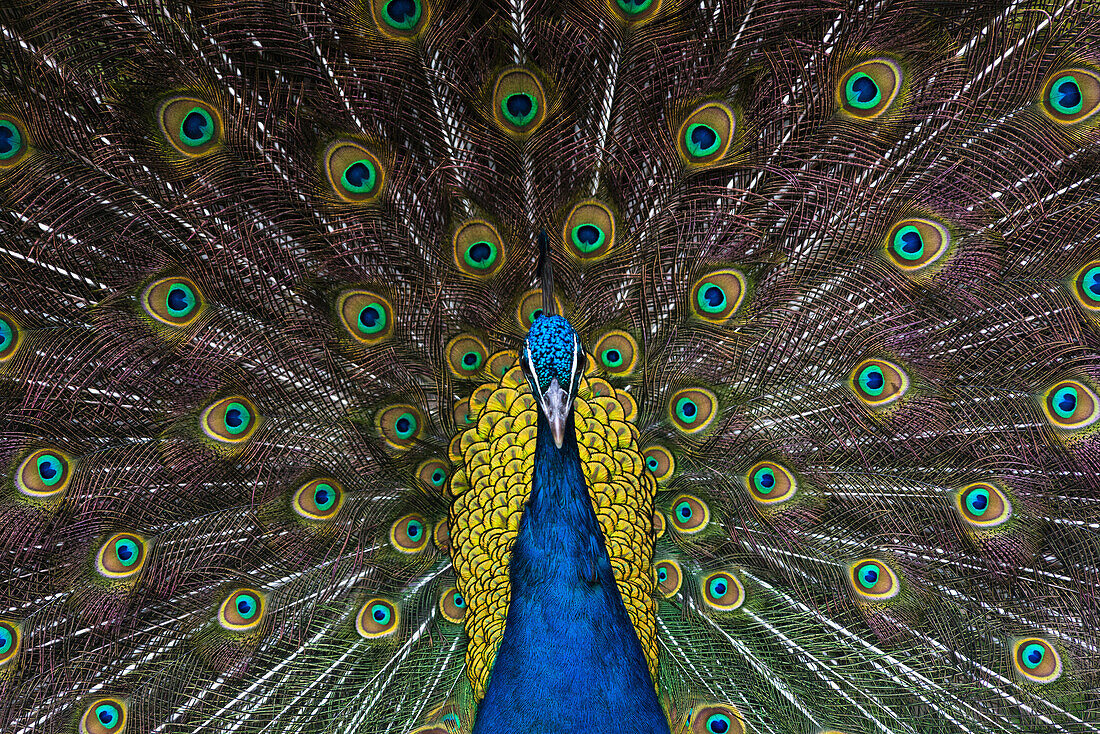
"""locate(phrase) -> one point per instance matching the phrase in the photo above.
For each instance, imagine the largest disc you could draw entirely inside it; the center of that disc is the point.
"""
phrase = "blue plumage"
(570, 659)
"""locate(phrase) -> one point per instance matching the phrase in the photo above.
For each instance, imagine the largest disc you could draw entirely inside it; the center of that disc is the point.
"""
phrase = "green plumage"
(256, 256)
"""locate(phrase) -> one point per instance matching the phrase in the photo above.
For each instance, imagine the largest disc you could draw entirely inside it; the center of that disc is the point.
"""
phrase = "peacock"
(507, 366)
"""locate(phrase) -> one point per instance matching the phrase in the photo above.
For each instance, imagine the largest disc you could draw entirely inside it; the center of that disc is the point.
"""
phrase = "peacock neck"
(569, 659)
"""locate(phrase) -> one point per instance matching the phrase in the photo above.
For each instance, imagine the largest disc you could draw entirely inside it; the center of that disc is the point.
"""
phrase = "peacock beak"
(556, 403)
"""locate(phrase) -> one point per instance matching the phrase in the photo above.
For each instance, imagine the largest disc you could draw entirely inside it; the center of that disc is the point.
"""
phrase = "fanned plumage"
(271, 394)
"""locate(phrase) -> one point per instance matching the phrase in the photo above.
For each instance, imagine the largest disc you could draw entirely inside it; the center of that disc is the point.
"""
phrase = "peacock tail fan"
(266, 272)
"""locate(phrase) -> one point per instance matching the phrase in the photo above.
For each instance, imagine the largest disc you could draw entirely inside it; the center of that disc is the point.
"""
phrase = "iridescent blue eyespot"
(377, 618)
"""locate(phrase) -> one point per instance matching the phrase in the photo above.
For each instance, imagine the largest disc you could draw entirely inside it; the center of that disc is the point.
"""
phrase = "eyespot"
(10, 336)
(453, 606)
(433, 474)
(230, 420)
(105, 716)
(319, 499)
(669, 577)
(635, 11)
(913, 244)
(692, 409)
(690, 514)
(45, 473)
(867, 90)
(530, 308)
(242, 610)
(660, 461)
(1037, 660)
(519, 104)
(465, 355)
(705, 135)
(400, 18)
(589, 230)
(462, 415)
(501, 362)
(1071, 96)
(770, 483)
(659, 524)
(616, 353)
(723, 591)
(401, 425)
(478, 249)
(1071, 405)
(873, 579)
(367, 316)
(354, 172)
(191, 126)
(410, 534)
(717, 296)
(122, 556)
(13, 141)
(983, 505)
(1086, 285)
(377, 618)
(10, 640)
(173, 301)
(716, 719)
(878, 383)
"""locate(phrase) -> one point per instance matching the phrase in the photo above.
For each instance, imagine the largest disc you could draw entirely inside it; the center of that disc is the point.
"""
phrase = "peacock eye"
(105, 716)
(706, 134)
(402, 16)
(45, 473)
(191, 126)
(716, 719)
(590, 230)
(465, 355)
(1071, 96)
(1037, 660)
(9, 337)
(1071, 405)
(377, 618)
(242, 610)
(318, 499)
(771, 483)
(718, 295)
(409, 534)
(669, 577)
(122, 556)
(878, 383)
(689, 514)
(617, 353)
(9, 641)
(874, 580)
(433, 473)
(913, 244)
(870, 88)
(692, 410)
(453, 605)
(478, 249)
(173, 301)
(355, 173)
(983, 505)
(13, 141)
(723, 591)
(230, 420)
(367, 316)
(519, 102)
(635, 10)
(1086, 285)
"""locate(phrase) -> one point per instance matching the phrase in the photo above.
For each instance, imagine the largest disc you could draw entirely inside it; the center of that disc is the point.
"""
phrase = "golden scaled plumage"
(490, 487)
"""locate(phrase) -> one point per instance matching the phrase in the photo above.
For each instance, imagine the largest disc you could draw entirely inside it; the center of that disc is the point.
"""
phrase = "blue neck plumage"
(569, 659)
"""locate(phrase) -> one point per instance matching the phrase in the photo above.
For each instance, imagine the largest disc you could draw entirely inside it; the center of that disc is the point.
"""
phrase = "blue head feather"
(550, 344)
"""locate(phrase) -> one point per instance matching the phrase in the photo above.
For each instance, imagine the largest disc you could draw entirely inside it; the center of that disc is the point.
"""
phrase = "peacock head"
(553, 361)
